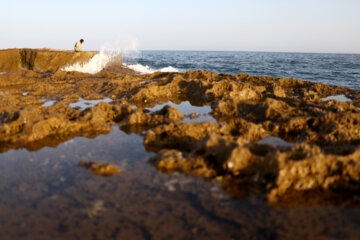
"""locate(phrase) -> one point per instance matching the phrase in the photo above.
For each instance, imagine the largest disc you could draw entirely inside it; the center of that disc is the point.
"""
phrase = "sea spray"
(95, 65)
(124, 45)
(127, 46)
(100, 60)
(146, 69)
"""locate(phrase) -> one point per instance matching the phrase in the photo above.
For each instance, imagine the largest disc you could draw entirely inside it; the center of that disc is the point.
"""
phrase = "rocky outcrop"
(40, 60)
(277, 136)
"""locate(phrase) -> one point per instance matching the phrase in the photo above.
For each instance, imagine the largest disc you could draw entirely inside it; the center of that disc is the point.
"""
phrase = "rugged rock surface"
(274, 135)
(40, 60)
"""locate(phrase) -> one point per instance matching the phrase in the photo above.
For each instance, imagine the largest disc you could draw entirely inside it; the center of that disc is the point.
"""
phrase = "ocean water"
(331, 69)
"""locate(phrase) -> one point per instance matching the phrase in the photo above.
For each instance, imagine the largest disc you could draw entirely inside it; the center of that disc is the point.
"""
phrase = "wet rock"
(279, 92)
(316, 172)
(194, 115)
(241, 160)
(166, 115)
(170, 161)
(101, 168)
(182, 136)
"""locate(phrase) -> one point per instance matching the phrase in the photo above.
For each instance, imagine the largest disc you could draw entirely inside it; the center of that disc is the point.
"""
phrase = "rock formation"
(40, 60)
(275, 135)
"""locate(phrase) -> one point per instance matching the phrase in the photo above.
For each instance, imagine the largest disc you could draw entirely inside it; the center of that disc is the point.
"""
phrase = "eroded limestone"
(322, 158)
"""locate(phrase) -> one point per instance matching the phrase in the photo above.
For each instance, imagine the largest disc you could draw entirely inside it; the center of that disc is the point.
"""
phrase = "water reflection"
(83, 104)
(275, 142)
(45, 195)
(185, 107)
(49, 103)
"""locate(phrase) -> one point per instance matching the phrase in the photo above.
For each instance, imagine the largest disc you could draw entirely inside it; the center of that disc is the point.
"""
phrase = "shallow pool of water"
(49, 103)
(83, 104)
(45, 195)
(187, 109)
(275, 142)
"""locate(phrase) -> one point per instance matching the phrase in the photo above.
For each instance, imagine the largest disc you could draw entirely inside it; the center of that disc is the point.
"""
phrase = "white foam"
(169, 69)
(341, 98)
(124, 45)
(139, 68)
(121, 44)
(146, 69)
(95, 65)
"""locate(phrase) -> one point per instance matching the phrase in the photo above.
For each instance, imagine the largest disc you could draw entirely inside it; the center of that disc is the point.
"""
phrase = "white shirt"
(78, 46)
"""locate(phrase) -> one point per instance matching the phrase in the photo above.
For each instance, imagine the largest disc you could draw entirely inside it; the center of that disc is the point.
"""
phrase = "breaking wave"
(146, 69)
(100, 60)
(123, 44)
(95, 65)
(110, 51)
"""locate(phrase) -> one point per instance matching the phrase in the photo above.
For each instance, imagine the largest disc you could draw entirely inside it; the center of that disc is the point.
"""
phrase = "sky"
(324, 26)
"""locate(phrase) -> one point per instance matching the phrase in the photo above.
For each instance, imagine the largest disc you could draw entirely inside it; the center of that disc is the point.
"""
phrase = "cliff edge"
(40, 60)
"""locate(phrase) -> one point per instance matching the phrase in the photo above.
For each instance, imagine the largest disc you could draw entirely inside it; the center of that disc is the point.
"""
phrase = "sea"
(331, 69)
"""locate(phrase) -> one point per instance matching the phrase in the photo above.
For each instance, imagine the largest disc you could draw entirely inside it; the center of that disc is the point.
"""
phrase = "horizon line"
(192, 50)
(260, 51)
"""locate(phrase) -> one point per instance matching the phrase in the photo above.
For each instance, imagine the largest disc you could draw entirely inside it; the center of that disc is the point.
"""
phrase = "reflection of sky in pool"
(82, 104)
(186, 108)
(275, 142)
(44, 193)
(49, 189)
(49, 103)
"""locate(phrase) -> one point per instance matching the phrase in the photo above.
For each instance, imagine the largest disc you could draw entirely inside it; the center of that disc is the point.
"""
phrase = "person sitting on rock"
(78, 45)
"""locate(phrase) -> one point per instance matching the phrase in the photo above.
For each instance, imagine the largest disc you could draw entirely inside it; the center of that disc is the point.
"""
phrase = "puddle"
(275, 142)
(45, 195)
(25, 93)
(186, 108)
(200, 119)
(83, 104)
(49, 103)
(143, 82)
(341, 98)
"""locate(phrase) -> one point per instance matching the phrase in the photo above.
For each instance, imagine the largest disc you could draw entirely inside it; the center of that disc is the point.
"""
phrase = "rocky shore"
(40, 60)
(278, 137)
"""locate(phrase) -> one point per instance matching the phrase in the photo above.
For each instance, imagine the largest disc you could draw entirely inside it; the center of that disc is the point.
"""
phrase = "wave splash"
(146, 69)
(103, 58)
(95, 65)
(124, 45)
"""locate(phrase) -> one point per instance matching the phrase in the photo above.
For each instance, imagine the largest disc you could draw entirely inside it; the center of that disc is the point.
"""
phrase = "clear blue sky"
(244, 25)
